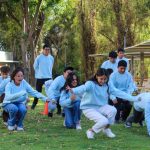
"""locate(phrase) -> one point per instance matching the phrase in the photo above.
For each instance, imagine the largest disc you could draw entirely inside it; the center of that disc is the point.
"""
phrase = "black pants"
(123, 109)
(5, 115)
(136, 117)
(39, 84)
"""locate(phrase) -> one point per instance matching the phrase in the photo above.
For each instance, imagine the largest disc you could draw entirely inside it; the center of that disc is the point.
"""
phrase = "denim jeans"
(72, 115)
(17, 112)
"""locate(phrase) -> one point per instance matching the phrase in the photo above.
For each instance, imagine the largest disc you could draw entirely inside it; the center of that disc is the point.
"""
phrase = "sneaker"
(5, 123)
(128, 125)
(11, 128)
(20, 129)
(109, 133)
(90, 134)
(50, 114)
(78, 126)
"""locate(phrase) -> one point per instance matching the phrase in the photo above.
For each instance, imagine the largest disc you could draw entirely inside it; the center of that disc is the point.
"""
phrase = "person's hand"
(69, 88)
(115, 101)
(72, 97)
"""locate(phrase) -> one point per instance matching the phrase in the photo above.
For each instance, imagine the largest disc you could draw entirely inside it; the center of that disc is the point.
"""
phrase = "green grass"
(43, 133)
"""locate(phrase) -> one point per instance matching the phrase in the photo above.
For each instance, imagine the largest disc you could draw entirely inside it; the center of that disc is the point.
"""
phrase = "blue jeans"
(72, 115)
(17, 112)
(147, 116)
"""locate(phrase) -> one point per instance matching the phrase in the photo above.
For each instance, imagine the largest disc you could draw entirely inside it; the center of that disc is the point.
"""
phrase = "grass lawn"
(43, 133)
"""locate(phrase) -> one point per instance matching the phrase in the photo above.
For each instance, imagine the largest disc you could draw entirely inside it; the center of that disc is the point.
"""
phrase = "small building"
(6, 58)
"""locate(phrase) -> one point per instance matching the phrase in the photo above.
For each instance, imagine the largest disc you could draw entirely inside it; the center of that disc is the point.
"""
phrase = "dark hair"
(46, 45)
(109, 71)
(69, 81)
(120, 50)
(100, 72)
(68, 68)
(122, 63)
(16, 71)
(113, 54)
(5, 69)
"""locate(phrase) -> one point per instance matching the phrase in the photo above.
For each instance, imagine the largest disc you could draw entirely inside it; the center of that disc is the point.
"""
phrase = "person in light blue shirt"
(94, 103)
(16, 93)
(123, 81)
(111, 63)
(141, 108)
(55, 89)
(43, 66)
(71, 103)
(121, 56)
(4, 79)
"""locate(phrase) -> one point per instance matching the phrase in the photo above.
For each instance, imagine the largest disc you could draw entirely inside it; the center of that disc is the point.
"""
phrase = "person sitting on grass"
(141, 110)
(71, 103)
(94, 103)
(15, 96)
(54, 91)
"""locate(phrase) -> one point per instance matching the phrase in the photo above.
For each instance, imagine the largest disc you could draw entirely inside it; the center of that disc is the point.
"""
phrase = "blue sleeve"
(36, 64)
(3, 85)
(120, 94)
(131, 85)
(111, 85)
(47, 85)
(34, 93)
(83, 88)
(13, 97)
(65, 100)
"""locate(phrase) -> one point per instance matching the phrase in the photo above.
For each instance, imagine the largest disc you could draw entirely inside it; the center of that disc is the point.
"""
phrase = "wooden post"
(142, 69)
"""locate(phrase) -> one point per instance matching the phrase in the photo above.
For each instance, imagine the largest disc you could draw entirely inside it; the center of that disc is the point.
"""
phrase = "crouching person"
(15, 98)
(71, 103)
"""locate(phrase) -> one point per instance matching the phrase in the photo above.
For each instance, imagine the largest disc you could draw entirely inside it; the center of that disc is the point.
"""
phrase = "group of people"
(105, 98)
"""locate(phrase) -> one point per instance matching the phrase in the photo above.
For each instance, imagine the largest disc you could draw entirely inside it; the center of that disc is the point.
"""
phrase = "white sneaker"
(5, 123)
(90, 134)
(11, 128)
(109, 133)
(78, 126)
(20, 129)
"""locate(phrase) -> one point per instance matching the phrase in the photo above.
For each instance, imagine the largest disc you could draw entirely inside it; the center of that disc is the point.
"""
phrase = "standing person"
(15, 96)
(43, 66)
(71, 103)
(94, 103)
(121, 56)
(55, 89)
(111, 63)
(123, 81)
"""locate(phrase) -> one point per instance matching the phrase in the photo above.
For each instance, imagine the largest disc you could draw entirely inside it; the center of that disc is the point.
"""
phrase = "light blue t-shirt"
(43, 66)
(109, 65)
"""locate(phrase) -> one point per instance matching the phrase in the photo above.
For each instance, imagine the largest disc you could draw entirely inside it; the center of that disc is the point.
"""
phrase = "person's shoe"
(20, 129)
(11, 128)
(109, 133)
(33, 106)
(128, 124)
(50, 114)
(90, 134)
(5, 123)
(78, 126)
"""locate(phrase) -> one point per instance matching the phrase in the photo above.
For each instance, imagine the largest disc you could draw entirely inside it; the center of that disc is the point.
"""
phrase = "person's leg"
(126, 110)
(118, 107)
(69, 118)
(58, 108)
(51, 108)
(5, 116)
(12, 109)
(39, 84)
(77, 114)
(22, 110)
(100, 121)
